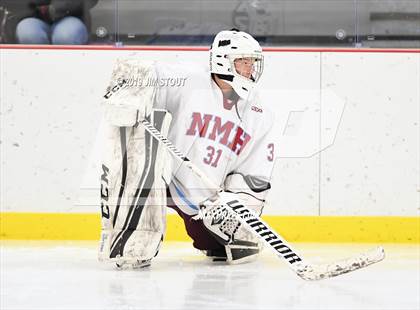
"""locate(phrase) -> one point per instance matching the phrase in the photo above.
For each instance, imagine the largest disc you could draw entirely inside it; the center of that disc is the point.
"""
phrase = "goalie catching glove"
(220, 220)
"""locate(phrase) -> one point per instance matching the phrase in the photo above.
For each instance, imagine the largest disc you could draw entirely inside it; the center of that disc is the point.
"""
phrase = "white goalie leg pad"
(129, 99)
(133, 193)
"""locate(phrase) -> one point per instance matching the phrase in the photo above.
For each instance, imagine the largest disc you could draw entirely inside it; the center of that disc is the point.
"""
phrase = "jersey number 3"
(270, 155)
(213, 156)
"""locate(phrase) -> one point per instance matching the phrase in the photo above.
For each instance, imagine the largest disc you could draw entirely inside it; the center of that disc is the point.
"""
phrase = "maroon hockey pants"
(202, 239)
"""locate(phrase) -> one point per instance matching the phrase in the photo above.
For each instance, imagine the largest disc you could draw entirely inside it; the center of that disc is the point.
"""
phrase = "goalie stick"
(272, 239)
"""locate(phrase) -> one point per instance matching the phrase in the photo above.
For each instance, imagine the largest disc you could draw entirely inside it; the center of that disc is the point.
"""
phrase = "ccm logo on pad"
(254, 108)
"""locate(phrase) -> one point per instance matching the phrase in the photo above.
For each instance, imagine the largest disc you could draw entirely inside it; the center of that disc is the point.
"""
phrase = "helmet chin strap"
(228, 79)
(225, 77)
(228, 91)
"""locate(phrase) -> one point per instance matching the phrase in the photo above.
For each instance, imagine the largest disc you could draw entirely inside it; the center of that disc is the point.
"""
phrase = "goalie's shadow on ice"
(188, 279)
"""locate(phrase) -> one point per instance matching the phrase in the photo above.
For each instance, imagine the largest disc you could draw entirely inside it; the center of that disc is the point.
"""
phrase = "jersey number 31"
(213, 156)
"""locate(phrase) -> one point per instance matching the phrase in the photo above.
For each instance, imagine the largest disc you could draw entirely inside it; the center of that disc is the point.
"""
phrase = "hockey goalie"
(213, 115)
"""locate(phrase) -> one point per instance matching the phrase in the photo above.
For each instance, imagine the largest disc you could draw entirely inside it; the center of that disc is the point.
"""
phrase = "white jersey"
(216, 135)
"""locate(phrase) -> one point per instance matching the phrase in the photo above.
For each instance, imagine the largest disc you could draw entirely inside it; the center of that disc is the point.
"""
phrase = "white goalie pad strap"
(129, 97)
(133, 192)
(250, 189)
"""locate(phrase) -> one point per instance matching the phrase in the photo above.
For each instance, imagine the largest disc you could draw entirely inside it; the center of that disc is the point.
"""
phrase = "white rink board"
(375, 161)
(361, 109)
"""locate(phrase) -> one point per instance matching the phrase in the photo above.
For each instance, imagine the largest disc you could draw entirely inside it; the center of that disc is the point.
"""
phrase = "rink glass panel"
(341, 23)
(335, 23)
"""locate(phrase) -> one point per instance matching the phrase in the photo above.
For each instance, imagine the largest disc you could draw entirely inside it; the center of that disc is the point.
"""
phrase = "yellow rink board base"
(86, 226)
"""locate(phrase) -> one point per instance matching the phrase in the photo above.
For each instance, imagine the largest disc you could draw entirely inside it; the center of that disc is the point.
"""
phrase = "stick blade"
(319, 272)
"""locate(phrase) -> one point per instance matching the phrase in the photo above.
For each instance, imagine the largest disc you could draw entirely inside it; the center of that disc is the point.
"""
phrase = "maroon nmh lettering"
(233, 139)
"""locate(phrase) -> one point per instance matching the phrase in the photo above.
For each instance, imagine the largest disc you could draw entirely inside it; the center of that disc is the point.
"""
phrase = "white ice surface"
(68, 276)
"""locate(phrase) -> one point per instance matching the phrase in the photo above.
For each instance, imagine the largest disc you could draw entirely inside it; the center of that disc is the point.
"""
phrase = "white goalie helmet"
(232, 51)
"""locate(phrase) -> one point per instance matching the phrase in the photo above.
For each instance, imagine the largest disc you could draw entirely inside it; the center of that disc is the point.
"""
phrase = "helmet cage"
(257, 66)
